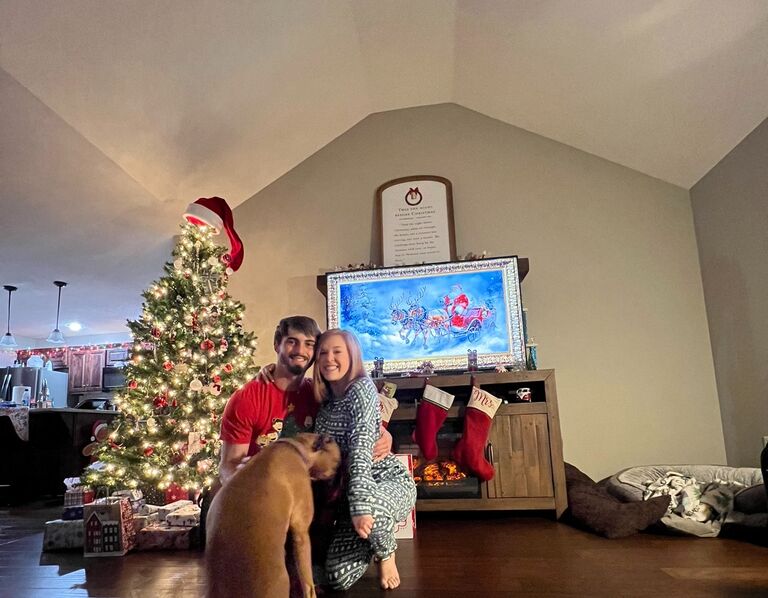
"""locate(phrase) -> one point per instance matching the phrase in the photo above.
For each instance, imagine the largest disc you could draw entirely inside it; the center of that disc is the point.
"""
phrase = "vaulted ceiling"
(114, 115)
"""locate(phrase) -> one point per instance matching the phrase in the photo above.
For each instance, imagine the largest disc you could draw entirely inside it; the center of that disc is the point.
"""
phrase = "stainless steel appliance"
(57, 383)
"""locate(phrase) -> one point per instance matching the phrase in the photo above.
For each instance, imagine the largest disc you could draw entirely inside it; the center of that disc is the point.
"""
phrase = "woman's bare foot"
(388, 574)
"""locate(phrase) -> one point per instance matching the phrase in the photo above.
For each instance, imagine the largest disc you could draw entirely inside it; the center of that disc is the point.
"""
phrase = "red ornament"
(224, 344)
(148, 451)
(156, 332)
(174, 403)
(207, 345)
(217, 379)
(168, 366)
(132, 384)
(229, 368)
(159, 402)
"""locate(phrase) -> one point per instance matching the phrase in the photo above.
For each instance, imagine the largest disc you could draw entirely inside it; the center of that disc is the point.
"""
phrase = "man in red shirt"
(263, 409)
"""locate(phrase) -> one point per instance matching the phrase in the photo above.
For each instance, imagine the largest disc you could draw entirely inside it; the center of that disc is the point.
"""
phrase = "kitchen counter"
(53, 452)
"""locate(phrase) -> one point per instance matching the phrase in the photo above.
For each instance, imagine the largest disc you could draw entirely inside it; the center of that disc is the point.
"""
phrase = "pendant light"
(8, 340)
(56, 336)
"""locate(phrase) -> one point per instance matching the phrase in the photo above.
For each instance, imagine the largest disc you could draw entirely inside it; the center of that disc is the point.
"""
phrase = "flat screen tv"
(436, 312)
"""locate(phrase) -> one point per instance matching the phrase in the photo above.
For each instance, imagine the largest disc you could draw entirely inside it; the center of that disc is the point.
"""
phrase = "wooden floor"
(467, 555)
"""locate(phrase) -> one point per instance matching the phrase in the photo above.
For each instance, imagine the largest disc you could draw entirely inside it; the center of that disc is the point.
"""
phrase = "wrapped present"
(108, 526)
(405, 530)
(142, 521)
(147, 509)
(160, 536)
(76, 494)
(188, 516)
(153, 495)
(72, 513)
(165, 510)
(131, 495)
(175, 493)
(62, 535)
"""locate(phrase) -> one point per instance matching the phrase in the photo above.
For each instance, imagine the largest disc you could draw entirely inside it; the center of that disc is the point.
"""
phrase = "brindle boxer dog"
(251, 515)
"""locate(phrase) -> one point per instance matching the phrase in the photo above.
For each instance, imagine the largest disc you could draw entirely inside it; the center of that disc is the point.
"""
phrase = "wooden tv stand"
(524, 446)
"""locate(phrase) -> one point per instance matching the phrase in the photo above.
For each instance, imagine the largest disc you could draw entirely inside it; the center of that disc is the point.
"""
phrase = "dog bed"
(703, 496)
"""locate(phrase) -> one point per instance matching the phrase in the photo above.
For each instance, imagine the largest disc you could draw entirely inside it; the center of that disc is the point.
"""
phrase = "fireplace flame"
(439, 472)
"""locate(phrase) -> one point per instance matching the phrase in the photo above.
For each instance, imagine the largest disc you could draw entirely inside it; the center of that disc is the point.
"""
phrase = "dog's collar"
(302, 450)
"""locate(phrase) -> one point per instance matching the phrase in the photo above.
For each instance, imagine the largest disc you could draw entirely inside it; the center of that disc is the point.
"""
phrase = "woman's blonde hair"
(356, 367)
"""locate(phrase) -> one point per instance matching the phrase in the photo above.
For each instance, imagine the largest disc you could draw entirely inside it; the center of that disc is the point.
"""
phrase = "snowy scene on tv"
(435, 316)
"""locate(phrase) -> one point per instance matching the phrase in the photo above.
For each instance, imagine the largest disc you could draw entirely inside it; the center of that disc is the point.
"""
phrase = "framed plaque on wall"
(416, 221)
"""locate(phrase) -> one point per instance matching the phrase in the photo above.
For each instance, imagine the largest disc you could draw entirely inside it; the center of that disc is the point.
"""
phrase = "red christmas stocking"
(430, 416)
(387, 406)
(469, 451)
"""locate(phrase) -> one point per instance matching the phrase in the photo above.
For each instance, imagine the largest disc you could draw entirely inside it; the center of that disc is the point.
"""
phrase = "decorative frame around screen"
(407, 315)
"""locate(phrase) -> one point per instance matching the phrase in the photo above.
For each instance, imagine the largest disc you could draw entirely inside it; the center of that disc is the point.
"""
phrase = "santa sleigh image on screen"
(457, 317)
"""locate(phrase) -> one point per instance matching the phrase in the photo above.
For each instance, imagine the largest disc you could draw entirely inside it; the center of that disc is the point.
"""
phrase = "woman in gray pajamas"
(380, 493)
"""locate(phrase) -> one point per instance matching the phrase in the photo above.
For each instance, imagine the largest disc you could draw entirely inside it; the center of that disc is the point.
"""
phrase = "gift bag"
(108, 527)
(405, 530)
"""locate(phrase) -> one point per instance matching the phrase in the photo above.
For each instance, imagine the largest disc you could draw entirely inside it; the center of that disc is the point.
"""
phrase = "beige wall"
(730, 207)
(614, 293)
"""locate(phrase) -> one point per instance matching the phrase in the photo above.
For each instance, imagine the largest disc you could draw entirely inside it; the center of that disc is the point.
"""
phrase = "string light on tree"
(190, 353)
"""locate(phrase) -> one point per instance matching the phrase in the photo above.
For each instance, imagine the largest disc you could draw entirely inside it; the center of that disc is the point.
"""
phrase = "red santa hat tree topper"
(215, 213)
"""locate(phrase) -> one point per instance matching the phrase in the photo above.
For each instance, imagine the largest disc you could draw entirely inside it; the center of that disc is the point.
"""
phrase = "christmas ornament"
(196, 385)
(214, 389)
(478, 417)
(430, 416)
(168, 366)
(99, 433)
(132, 384)
(148, 451)
(217, 379)
(228, 368)
(224, 344)
(207, 345)
(156, 332)
(159, 402)
(178, 263)
(214, 212)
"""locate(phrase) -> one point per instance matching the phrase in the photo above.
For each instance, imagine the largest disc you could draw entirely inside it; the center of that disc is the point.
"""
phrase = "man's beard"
(294, 369)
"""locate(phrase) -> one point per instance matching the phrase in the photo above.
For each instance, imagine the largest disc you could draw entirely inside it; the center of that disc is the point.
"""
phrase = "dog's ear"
(321, 441)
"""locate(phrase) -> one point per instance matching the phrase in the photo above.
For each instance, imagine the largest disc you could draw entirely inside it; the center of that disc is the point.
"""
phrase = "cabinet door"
(94, 370)
(77, 370)
(521, 457)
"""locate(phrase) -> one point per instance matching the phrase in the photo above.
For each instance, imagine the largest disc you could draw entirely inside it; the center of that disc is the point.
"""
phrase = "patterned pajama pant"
(349, 555)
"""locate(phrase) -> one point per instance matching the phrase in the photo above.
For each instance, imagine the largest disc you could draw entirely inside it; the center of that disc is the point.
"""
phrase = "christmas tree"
(190, 353)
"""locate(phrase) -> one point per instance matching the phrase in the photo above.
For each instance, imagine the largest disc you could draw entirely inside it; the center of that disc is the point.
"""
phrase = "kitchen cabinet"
(85, 371)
